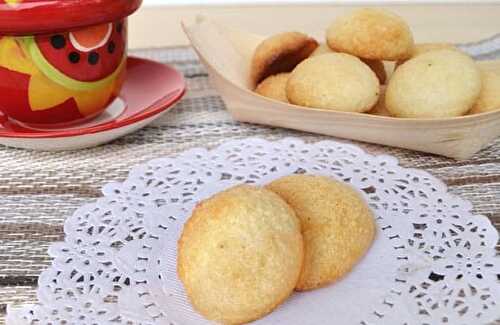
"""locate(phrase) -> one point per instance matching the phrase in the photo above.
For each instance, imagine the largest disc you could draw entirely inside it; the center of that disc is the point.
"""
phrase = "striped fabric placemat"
(38, 190)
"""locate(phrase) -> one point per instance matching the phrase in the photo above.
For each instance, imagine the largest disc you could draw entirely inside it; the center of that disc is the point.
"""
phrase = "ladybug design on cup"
(62, 77)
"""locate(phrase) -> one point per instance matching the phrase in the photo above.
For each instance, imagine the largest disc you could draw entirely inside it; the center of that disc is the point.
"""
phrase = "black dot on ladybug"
(119, 27)
(74, 57)
(111, 47)
(58, 41)
(93, 58)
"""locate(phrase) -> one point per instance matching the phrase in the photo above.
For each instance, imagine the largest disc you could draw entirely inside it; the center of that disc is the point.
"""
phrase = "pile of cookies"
(348, 73)
(245, 250)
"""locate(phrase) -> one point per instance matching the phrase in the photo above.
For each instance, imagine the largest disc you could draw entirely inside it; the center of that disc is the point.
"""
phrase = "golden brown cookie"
(489, 98)
(436, 84)
(380, 109)
(337, 225)
(371, 34)
(427, 47)
(274, 87)
(240, 254)
(377, 66)
(335, 81)
(280, 53)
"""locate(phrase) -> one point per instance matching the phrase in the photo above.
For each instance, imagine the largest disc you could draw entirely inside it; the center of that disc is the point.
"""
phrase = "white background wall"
(157, 23)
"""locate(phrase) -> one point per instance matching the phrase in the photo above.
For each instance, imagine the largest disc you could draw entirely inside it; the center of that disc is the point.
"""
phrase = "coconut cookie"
(240, 254)
(422, 48)
(274, 87)
(436, 84)
(335, 81)
(489, 98)
(337, 225)
(371, 34)
(280, 53)
(377, 66)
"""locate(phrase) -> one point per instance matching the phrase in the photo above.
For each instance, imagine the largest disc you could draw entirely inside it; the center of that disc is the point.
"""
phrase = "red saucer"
(150, 89)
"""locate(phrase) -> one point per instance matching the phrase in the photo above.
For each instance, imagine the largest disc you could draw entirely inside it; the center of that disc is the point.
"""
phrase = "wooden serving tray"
(226, 53)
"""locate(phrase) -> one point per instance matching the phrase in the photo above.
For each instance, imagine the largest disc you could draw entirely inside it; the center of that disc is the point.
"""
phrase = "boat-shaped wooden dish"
(226, 53)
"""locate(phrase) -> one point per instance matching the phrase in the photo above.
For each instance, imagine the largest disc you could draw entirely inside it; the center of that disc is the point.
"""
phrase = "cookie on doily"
(240, 254)
(337, 225)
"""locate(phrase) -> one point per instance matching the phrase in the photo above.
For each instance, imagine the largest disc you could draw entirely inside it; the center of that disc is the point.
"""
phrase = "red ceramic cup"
(61, 61)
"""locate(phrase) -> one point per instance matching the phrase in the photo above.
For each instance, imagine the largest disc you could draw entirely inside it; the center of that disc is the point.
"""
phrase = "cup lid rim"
(29, 17)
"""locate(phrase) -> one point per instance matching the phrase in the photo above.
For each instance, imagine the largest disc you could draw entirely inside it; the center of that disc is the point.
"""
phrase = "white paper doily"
(433, 262)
